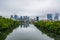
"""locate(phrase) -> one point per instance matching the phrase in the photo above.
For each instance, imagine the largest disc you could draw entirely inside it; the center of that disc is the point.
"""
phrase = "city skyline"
(49, 16)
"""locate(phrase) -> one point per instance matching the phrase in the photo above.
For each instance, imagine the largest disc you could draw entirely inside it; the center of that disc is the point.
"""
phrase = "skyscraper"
(49, 16)
(28, 18)
(37, 18)
(21, 18)
(15, 17)
(56, 17)
(11, 16)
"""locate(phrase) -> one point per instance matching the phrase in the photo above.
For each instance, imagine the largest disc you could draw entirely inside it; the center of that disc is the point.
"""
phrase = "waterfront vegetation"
(6, 23)
(51, 28)
(49, 25)
(6, 26)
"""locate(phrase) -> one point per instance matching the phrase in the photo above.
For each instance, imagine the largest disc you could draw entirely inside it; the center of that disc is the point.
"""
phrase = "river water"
(27, 32)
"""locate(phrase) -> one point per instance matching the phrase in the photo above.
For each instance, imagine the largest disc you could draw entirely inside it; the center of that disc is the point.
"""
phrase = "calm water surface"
(27, 32)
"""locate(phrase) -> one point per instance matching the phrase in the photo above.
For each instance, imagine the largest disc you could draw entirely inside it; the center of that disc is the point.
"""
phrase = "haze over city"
(29, 7)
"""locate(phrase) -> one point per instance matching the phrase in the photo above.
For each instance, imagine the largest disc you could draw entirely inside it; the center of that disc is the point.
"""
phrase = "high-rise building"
(37, 18)
(56, 17)
(28, 18)
(11, 16)
(21, 18)
(49, 16)
(15, 17)
(24, 17)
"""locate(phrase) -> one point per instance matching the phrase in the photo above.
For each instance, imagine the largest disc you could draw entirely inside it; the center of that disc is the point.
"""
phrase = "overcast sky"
(29, 7)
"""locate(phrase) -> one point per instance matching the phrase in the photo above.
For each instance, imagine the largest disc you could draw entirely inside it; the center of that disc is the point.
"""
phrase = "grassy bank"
(6, 26)
(49, 25)
(6, 23)
(50, 28)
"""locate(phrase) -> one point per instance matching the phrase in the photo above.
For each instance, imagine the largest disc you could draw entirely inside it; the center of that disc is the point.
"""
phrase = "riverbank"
(6, 26)
(6, 23)
(52, 29)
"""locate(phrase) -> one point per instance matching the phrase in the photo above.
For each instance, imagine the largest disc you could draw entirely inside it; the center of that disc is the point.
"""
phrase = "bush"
(6, 23)
(50, 25)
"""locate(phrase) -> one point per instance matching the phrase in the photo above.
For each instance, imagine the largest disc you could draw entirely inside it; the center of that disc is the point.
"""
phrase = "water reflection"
(24, 25)
(3, 34)
(27, 31)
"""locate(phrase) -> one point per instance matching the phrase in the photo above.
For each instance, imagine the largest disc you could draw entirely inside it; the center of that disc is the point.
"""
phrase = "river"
(27, 32)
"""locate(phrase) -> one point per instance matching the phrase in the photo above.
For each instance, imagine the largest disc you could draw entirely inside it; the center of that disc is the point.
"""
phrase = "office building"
(56, 17)
(15, 17)
(49, 16)
(37, 18)
(11, 16)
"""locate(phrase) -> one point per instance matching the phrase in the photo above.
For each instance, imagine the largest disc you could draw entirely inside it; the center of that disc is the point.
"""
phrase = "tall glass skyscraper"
(56, 17)
(15, 17)
(21, 18)
(49, 16)
(11, 16)
(37, 18)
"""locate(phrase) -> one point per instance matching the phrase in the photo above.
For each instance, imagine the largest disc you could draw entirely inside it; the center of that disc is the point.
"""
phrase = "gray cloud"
(29, 7)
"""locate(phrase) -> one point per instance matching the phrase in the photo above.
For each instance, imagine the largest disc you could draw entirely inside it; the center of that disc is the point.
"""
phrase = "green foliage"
(6, 23)
(49, 25)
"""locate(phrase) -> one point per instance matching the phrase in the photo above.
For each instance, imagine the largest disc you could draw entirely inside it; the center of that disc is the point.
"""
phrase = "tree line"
(49, 25)
(6, 23)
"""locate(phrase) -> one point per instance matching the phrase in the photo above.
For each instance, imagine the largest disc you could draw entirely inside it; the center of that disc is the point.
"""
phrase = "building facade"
(56, 17)
(49, 16)
(15, 17)
(37, 18)
(11, 16)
